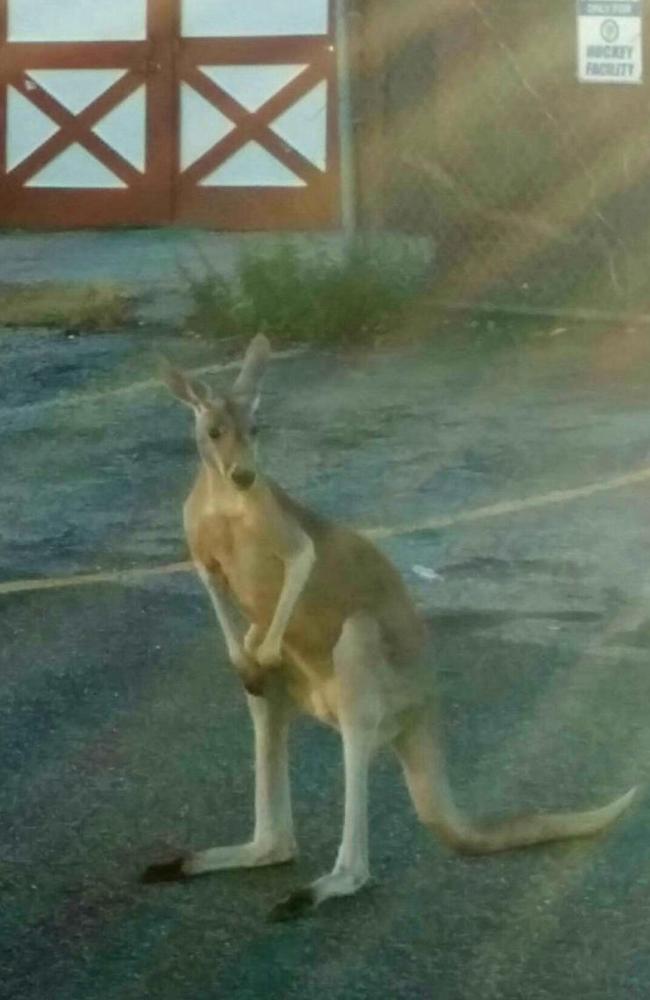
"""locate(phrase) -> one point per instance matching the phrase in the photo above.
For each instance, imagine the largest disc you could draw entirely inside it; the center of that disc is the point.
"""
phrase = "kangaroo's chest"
(237, 552)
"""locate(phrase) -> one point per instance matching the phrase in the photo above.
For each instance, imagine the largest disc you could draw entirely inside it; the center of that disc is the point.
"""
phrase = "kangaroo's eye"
(214, 433)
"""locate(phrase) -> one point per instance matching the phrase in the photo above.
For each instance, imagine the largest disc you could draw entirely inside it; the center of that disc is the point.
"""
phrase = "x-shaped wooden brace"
(75, 129)
(254, 125)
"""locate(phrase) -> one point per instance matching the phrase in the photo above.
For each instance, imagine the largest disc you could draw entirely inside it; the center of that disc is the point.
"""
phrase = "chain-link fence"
(471, 127)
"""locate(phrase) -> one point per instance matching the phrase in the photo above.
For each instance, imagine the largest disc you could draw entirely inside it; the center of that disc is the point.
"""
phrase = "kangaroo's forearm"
(297, 571)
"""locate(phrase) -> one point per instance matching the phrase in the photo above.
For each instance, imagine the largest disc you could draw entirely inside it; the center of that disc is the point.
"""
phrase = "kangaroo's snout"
(242, 478)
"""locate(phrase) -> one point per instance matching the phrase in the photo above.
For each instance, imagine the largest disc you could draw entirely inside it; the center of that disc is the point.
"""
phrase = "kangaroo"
(332, 632)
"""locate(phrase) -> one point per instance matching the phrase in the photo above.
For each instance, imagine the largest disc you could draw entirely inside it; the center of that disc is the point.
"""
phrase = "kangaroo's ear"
(190, 391)
(247, 384)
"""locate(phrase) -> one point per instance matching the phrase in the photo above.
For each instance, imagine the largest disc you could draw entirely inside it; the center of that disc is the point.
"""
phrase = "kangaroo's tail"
(425, 775)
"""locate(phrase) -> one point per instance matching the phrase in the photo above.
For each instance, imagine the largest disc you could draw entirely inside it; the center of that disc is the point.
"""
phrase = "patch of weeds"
(295, 293)
(67, 306)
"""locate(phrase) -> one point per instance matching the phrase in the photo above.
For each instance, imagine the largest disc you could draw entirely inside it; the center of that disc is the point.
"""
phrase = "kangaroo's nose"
(242, 478)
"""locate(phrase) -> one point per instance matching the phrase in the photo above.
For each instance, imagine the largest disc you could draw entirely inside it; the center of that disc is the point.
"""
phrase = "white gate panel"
(76, 20)
(252, 86)
(124, 129)
(75, 89)
(27, 128)
(75, 168)
(304, 126)
(246, 18)
(202, 126)
(252, 166)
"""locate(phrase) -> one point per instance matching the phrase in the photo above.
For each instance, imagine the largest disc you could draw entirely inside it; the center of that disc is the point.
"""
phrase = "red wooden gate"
(144, 112)
(59, 96)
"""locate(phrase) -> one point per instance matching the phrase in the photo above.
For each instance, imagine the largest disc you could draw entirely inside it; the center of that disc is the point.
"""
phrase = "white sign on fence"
(610, 41)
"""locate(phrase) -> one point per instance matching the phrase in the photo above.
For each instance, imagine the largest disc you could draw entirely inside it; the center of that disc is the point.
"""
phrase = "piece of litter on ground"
(426, 573)
(554, 628)
(557, 331)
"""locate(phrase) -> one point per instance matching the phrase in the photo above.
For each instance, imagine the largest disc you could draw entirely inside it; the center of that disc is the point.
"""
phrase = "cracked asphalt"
(124, 735)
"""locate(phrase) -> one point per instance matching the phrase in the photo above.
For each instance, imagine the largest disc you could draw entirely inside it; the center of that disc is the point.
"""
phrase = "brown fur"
(236, 549)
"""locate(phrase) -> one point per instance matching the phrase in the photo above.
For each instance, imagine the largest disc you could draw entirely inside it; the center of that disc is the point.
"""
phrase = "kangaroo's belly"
(315, 693)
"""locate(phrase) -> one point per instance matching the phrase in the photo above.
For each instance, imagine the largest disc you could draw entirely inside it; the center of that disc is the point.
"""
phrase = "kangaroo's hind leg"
(273, 839)
(357, 657)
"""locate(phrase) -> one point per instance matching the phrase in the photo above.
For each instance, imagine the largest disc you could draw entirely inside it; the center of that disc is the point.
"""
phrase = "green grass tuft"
(294, 293)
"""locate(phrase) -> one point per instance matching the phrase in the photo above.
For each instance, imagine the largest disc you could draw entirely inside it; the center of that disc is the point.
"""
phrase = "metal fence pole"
(346, 126)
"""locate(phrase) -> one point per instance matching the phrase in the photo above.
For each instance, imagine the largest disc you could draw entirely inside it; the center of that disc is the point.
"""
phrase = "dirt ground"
(511, 485)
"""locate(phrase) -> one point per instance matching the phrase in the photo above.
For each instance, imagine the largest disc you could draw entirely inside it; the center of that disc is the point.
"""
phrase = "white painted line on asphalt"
(501, 509)
(514, 506)
(87, 579)
(75, 399)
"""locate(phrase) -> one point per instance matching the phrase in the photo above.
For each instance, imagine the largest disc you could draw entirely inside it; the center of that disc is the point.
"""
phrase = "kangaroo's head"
(225, 425)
